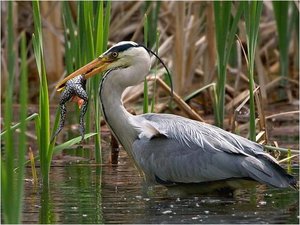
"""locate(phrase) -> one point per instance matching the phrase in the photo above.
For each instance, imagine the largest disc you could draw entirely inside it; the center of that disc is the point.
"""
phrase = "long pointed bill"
(94, 67)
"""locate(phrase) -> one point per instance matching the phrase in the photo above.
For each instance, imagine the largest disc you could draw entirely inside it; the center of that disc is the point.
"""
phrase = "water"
(81, 192)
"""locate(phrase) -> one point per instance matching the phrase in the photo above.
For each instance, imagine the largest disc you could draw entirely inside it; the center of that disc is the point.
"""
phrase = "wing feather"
(192, 152)
(205, 136)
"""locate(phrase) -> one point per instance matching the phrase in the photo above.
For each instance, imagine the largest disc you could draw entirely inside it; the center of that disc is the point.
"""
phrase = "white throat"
(116, 116)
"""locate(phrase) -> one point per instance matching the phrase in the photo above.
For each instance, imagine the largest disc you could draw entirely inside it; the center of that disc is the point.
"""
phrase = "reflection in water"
(86, 193)
(46, 215)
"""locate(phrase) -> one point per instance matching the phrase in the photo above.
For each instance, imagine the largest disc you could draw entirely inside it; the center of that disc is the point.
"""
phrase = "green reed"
(43, 132)
(85, 40)
(281, 16)
(46, 211)
(43, 122)
(101, 25)
(151, 39)
(225, 31)
(155, 71)
(23, 116)
(12, 182)
(18, 125)
(146, 97)
(285, 25)
(151, 20)
(252, 13)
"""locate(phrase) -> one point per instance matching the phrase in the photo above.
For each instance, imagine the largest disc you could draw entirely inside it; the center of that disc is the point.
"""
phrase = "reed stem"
(7, 162)
(252, 11)
(226, 27)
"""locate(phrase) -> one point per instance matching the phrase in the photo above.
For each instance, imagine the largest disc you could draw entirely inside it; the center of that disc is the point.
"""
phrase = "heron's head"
(125, 54)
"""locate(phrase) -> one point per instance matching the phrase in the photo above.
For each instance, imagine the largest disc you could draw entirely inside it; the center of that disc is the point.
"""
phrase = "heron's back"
(189, 151)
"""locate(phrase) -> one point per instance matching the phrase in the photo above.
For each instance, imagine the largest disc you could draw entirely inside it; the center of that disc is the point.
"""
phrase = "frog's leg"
(66, 95)
(81, 93)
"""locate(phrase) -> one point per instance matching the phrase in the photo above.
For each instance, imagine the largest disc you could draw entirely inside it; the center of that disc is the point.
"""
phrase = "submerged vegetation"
(208, 46)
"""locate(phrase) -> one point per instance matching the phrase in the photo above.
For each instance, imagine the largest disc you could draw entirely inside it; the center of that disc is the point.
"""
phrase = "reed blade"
(92, 31)
(146, 97)
(8, 185)
(43, 125)
(22, 136)
(226, 27)
(285, 25)
(252, 13)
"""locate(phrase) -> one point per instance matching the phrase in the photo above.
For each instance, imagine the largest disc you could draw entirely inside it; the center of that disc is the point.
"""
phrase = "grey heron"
(170, 149)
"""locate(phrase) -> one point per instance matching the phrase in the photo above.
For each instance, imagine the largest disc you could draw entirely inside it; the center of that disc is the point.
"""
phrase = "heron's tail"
(265, 170)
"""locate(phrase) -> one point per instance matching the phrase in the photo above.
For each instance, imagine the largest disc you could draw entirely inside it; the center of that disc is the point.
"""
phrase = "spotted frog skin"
(74, 89)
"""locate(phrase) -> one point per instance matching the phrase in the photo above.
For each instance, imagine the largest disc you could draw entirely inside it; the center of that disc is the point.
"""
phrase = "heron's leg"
(65, 96)
(81, 93)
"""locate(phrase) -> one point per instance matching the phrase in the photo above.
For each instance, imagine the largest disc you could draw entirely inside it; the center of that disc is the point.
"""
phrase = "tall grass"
(284, 23)
(150, 34)
(85, 40)
(46, 148)
(226, 27)
(151, 20)
(281, 9)
(12, 182)
(225, 30)
(43, 122)
(23, 114)
(85, 53)
(7, 164)
(155, 72)
(146, 35)
(252, 13)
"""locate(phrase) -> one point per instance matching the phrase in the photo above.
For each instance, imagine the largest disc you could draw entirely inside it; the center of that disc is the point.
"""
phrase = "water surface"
(83, 192)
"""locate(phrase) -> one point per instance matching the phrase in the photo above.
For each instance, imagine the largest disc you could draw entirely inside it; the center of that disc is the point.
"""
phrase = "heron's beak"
(94, 67)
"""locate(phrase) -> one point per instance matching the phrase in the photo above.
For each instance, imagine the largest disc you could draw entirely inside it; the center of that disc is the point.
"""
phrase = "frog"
(75, 91)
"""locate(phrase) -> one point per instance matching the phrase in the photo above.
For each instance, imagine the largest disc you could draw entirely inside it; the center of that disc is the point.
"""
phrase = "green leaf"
(252, 12)
(225, 30)
(43, 126)
(22, 135)
(71, 142)
(9, 202)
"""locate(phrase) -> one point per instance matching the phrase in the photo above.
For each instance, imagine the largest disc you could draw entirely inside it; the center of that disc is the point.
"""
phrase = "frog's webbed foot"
(81, 93)
(65, 96)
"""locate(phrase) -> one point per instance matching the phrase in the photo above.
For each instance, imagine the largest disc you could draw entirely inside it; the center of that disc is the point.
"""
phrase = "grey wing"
(164, 159)
(192, 152)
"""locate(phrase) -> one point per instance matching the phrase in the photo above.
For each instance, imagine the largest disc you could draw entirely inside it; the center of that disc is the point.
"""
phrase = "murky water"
(81, 192)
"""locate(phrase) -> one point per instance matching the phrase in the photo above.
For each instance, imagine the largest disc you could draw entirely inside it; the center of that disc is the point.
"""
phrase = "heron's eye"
(114, 54)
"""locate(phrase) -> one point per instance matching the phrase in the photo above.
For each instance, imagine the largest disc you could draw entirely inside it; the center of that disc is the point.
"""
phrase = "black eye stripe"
(122, 48)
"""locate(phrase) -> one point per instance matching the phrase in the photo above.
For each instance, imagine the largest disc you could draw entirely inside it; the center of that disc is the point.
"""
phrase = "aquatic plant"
(146, 97)
(46, 148)
(12, 182)
(252, 12)
(85, 39)
(225, 33)
(285, 25)
(43, 122)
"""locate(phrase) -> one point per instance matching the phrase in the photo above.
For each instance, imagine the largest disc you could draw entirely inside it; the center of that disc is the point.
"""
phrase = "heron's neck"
(115, 114)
